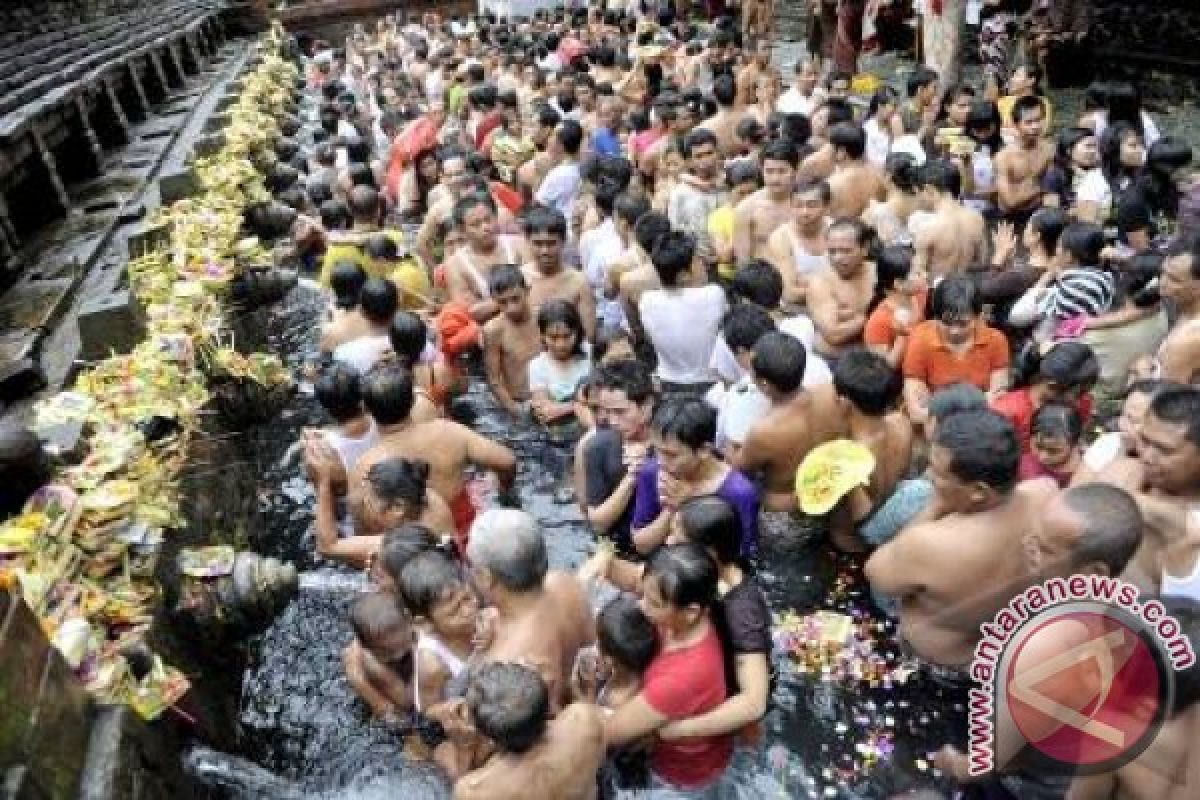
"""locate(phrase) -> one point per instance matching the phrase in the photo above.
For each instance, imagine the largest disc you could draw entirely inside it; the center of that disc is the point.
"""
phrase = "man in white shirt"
(803, 96)
(560, 188)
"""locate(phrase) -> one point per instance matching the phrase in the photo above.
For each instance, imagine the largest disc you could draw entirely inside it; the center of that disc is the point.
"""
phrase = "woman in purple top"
(684, 466)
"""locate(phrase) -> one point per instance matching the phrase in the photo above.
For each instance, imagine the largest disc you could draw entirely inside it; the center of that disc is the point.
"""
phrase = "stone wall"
(1157, 33)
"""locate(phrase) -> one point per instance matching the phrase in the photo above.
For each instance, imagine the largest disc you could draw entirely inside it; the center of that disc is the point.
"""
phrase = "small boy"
(379, 662)
(511, 339)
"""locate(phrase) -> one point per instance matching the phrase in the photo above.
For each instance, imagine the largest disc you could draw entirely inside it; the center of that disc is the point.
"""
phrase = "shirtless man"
(747, 78)
(757, 19)
(760, 214)
(724, 123)
(951, 237)
(819, 164)
(548, 279)
(455, 179)
(534, 171)
(446, 446)
(634, 275)
(511, 339)
(1170, 451)
(542, 617)
(534, 754)
(799, 419)
(797, 249)
(468, 270)
(1179, 354)
(1021, 165)
(869, 391)
(855, 182)
(976, 521)
(838, 295)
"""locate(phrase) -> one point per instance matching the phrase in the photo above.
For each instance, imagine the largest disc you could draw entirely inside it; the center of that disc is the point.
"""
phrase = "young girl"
(556, 373)
(1054, 445)
(443, 608)
(379, 662)
(899, 305)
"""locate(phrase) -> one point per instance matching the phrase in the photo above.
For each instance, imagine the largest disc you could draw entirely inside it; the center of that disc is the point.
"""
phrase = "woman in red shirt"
(686, 678)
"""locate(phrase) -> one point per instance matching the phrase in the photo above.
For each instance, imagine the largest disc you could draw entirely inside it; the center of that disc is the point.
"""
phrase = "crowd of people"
(696, 278)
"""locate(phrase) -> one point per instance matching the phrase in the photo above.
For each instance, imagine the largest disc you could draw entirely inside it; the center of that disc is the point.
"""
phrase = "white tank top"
(454, 665)
(475, 275)
(1189, 585)
(806, 263)
(351, 449)
(364, 352)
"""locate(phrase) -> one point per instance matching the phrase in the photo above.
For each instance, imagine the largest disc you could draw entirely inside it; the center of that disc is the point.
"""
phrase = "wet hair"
(562, 312)
(864, 234)
(1164, 157)
(335, 215)
(903, 172)
(837, 111)
(1048, 225)
(543, 219)
(409, 336)
(347, 279)
(1187, 245)
(942, 175)
(1110, 150)
(381, 247)
(781, 150)
(758, 282)
(570, 135)
(711, 522)
(606, 337)
(629, 376)
(508, 544)
(751, 130)
(1084, 241)
(811, 185)
(1123, 102)
(631, 207)
(780, 359)
(724, 90)
(388, 393)
(884, 95)
(400, 480)
(867, 380)
(698, 137)
(339, 391)
(688, 419)
(795, 128)
(377, 615)
(985, 114)
(509, 704)
(626, 635)
(1068, 364)
(361, 175)
(672, 256)
(686, 574)
(983, 446)
(1112, 525)
(505, 278)
(892, 265)
(744, 325)
(1179, 406)
(379, 300)
(956, 295)
(402, 544)
(1066, 142)
(469, 202)
(849, 137)
(955, 398)
(364, 203)
(1058, 420)
(1027, 104)
(426, 579)
(918, 79)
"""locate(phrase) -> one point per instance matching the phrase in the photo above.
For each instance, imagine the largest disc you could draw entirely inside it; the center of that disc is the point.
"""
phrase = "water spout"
(331, 581)
(239, 777)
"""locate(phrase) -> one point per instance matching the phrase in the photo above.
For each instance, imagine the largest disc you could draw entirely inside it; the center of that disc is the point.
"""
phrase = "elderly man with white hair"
(541, 617)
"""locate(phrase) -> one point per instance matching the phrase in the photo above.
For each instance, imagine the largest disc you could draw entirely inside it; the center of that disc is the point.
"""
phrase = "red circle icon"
(1086, 688)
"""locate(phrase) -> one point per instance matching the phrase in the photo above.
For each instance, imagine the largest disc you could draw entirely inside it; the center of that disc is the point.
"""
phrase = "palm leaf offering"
(77, 552)
(829, 472)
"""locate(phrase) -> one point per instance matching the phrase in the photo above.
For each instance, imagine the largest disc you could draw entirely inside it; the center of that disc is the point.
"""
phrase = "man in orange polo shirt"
(953, 346)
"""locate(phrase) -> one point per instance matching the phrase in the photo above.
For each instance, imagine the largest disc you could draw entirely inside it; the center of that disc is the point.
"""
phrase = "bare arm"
(779, 254)
(380, 703)
(743, 232)
(1179, 361)
(587, 309)
(747, 706)
(354, 550)
(631, 722)
(605, 515)
(648, 539)
(826, 315)
(493, 365)
(489, 455)
(891, 567)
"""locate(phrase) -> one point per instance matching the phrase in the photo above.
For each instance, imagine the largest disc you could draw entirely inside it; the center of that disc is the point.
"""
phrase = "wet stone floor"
(304, 734)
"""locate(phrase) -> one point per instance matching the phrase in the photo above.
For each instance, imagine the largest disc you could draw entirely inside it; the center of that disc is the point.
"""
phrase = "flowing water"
(304, 733)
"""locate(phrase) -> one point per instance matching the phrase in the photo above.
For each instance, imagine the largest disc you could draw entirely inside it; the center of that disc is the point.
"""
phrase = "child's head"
(339, 391)
(510, 292)
(757, 282)
(742, 327)
(711, 522)
(561, 328)
(612, 345)
(437, 595)
(347, 280)
(399, 546)
(409, 336)
(1055, 432)
(382, 627)
(625, 636)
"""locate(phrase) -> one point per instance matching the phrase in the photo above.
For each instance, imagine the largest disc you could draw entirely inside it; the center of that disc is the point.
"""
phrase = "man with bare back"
(1179, 355)
(759, 64)
(542, 617)
(760, 214)
(799, 419)
(468, 270)
(1021, 165)
(855, 182)
(548, 278)
(839, 295)
(724, 123)
(950, 237)
(446, 446)
(979, 521)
